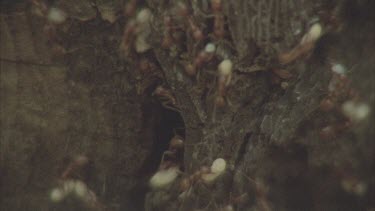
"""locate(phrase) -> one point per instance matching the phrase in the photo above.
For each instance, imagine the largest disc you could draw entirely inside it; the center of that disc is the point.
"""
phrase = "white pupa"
(163, 178)
(313, 35)
(217, 168)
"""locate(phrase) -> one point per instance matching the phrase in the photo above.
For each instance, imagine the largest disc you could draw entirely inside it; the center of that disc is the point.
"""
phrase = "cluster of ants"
(178, 19)
(343, 101)
(71, 186)
(178, 24)
(135, 40)
(170, 170)
(135, 36)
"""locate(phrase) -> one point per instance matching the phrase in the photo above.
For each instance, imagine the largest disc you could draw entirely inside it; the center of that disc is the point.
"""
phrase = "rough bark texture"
(69, 89)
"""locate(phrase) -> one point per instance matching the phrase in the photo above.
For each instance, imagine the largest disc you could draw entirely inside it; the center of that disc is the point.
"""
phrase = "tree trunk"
(295, 135)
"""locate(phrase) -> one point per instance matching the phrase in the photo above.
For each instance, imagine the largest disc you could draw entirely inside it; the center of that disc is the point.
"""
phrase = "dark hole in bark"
(167, 124)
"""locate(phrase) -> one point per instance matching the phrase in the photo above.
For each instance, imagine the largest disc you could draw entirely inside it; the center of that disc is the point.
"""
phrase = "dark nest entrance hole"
(163, 124)
(167, 124)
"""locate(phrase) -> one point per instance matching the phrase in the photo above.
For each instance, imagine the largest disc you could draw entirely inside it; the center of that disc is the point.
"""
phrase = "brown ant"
(183, 11)
(203, 57)
(167, 36)
(174, 152)
(78, 163)
(216, 8)
(196, 32)
(130, 8)
(306, 44)
(128, 36)
(166, 98)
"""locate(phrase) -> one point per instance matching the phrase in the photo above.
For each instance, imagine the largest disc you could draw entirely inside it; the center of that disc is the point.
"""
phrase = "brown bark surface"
(70, 89)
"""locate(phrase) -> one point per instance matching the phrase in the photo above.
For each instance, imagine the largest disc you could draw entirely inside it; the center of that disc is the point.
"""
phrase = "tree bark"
(70, 90)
